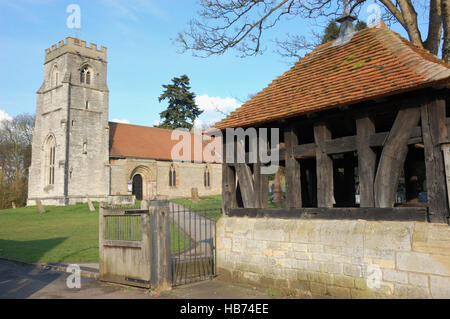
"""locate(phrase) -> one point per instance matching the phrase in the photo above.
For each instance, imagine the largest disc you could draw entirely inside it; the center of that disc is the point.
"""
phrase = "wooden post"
(229, 185)
(393, 157)
(101, 231)
(434, 132)
(349, 179)
(293, 177)
(246, 184)
(261, 186)
(228, 188)
(161, 265)
(324, 170)
(446, 152)
(366, 160)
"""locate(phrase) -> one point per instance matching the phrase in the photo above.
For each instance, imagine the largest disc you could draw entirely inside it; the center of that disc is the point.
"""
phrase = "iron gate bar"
(195, 258)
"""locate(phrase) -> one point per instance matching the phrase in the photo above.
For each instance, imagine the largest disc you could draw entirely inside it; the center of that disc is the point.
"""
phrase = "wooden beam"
(379, 139)
(293, 178)
(393, 157)
(228, 184)
(349, 144)
(376, 214)
(325, 187)
(340, 145)
(246, 184)
(304, 150)
(365, 128)
(434, 132)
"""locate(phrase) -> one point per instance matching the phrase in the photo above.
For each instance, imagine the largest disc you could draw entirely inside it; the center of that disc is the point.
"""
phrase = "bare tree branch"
(241, 24)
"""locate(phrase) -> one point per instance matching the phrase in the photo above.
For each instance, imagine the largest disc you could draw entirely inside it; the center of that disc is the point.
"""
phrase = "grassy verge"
(209, 206)
(62, 234)
(206, 203)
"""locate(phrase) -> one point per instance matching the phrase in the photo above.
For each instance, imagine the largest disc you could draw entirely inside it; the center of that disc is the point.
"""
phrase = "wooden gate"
(135, 245)
(124, 243)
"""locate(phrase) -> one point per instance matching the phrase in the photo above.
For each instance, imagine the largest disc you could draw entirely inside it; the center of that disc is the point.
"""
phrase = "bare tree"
(240, 24)
(15, 158)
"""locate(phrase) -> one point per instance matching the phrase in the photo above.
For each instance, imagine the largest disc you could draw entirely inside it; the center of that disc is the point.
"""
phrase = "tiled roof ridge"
(144, 126)
(399, 44)
(417, 64)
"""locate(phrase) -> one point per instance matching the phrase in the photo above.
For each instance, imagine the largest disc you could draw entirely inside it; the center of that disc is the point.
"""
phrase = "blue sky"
(141, 55)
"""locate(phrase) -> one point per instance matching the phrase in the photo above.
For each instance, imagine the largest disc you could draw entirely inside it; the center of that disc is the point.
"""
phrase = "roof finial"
(346, 30)
(346, 8)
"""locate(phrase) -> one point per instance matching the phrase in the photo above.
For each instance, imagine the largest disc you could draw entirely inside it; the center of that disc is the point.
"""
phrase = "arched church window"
(50, 160)
(172, 176)
(207, 176)
(86, 75)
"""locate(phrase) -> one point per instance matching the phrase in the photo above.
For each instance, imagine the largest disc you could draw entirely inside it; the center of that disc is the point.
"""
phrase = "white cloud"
(156, 122)
(214, 109)
(212, 104)
(121, 121)
(4, 116)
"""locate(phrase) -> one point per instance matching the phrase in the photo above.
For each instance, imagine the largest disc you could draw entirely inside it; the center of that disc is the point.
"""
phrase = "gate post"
(161, 261)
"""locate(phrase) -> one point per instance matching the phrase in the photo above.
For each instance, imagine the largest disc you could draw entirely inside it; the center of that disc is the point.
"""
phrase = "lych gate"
(356, 121)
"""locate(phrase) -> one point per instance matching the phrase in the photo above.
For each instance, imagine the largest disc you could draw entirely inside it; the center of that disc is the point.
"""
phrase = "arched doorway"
(137, 186)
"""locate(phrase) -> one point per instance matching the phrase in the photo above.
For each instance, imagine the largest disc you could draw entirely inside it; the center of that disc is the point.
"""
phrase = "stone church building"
(77, 154)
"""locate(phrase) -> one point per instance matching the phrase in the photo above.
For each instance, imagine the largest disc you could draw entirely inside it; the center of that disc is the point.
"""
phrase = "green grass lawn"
(62, 234)
(209, 205)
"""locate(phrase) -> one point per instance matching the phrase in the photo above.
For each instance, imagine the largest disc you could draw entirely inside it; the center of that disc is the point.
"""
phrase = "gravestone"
(91, 206)
(194, 194)
(40, 207)
(13, 205)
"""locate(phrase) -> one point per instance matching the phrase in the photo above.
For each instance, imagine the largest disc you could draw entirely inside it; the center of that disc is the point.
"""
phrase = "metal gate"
(193, 238)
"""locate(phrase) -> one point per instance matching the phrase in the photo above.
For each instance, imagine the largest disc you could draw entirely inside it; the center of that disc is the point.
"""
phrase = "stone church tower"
(70, 152)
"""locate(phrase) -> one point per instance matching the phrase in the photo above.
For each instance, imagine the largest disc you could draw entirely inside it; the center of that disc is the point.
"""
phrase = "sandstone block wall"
(335, 258)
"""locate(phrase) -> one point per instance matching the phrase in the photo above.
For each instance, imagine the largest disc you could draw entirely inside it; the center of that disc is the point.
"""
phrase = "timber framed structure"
(368, 112)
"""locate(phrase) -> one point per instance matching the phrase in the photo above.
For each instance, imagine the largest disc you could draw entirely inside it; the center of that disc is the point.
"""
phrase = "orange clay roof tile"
(127, 140)
(377, 62)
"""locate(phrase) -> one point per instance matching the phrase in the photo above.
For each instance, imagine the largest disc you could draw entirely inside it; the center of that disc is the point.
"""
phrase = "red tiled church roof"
(127, 140)
(377, 62)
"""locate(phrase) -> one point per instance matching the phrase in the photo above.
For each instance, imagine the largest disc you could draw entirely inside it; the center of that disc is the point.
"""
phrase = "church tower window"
(85, 75)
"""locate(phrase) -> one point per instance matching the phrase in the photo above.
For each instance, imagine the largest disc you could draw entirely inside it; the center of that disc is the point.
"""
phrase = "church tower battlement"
(70, 151)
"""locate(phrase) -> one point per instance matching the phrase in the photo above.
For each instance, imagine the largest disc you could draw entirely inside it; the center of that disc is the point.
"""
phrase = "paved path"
(20, 282)
(197, 227)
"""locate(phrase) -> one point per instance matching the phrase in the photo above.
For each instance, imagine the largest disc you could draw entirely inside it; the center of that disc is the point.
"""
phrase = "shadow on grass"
(17, 281)
(29, 250)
